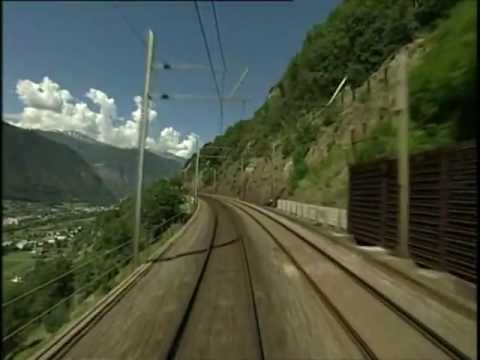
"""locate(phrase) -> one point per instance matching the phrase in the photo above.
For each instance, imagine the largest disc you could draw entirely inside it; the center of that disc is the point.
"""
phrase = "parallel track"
(450, 303)
(352, 333)
(176, 344)
(365, 348)
(438, 341)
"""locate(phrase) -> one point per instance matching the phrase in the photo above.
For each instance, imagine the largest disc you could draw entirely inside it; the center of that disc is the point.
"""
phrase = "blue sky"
(89, 45)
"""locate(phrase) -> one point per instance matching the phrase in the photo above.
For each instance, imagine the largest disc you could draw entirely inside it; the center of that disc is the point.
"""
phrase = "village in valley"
(32, 231)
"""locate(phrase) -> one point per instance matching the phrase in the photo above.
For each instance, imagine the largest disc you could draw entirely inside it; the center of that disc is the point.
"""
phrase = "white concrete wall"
(319, 214)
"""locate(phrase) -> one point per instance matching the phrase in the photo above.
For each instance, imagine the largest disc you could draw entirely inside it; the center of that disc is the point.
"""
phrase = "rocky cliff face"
(355, 113)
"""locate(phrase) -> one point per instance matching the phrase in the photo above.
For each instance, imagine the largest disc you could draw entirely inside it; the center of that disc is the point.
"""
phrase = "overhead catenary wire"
(132, 29)
(222, 54)
(207, 49)
(220, 45)
(219, 37)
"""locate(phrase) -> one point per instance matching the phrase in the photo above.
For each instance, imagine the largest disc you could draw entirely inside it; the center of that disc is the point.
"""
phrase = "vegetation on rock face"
(300, 168)
(355, 40)
(381, 142)
(442, 90)
(442, 87)
(323, 183)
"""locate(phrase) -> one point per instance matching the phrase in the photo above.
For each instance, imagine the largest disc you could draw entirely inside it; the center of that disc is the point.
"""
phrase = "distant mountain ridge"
(117, 167)
(83, 137)
(38, 169)
(78, 135)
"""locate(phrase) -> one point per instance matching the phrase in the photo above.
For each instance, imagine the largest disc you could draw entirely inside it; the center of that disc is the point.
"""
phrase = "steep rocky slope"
(295, 147)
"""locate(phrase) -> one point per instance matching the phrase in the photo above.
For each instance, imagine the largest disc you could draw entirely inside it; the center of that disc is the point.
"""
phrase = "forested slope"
(356, 39)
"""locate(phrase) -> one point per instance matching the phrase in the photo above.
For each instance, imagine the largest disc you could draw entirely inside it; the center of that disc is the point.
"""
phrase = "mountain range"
(37, 169)
(48, 165)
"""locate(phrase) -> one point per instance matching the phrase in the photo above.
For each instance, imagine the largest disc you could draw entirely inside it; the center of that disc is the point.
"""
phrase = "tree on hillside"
(357, 37)
(428, 11)
(442, 86)
(162, 201)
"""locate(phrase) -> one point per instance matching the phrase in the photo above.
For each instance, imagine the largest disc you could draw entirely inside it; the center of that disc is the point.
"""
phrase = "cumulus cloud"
(44, 95)
(49, 107)
(12, 118)
(170, 140)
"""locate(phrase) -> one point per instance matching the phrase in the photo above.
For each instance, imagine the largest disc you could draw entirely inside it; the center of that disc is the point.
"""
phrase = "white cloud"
(49, 107)
(44, 95)
(11, 118)
(170, 140)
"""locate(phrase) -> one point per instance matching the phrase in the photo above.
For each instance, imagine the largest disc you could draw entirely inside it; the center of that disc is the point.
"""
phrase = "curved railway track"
(228, 286)
(251, 291)
(179, 334)
(172, 351)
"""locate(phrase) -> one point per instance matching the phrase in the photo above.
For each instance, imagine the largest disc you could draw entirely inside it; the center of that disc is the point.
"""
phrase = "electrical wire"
(132, 29)
(222, 54)
(205, 41)
(219, 38)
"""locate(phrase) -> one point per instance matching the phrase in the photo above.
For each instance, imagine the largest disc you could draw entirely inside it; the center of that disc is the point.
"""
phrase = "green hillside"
(442, 89)
(37, 169)
(355, 40)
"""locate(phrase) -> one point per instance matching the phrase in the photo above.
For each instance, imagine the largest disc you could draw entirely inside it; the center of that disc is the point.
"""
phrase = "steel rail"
(252, 289)
(104, 304)
(450, 303)
(172, 351)
(350, 331)
(449, 349)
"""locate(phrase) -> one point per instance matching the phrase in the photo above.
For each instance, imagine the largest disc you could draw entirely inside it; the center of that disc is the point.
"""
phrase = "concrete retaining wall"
(319, 214)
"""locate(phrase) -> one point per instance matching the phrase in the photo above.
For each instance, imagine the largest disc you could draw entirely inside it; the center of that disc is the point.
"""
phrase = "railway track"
(444, 348)
(248, 271)
(449, 302)
(74, 337)
(181, 329)
(182, 340)
(225, 293)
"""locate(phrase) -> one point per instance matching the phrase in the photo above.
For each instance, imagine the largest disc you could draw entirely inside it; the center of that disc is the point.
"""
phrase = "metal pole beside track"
(197, 162)
(142, 133)
(403, 158)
